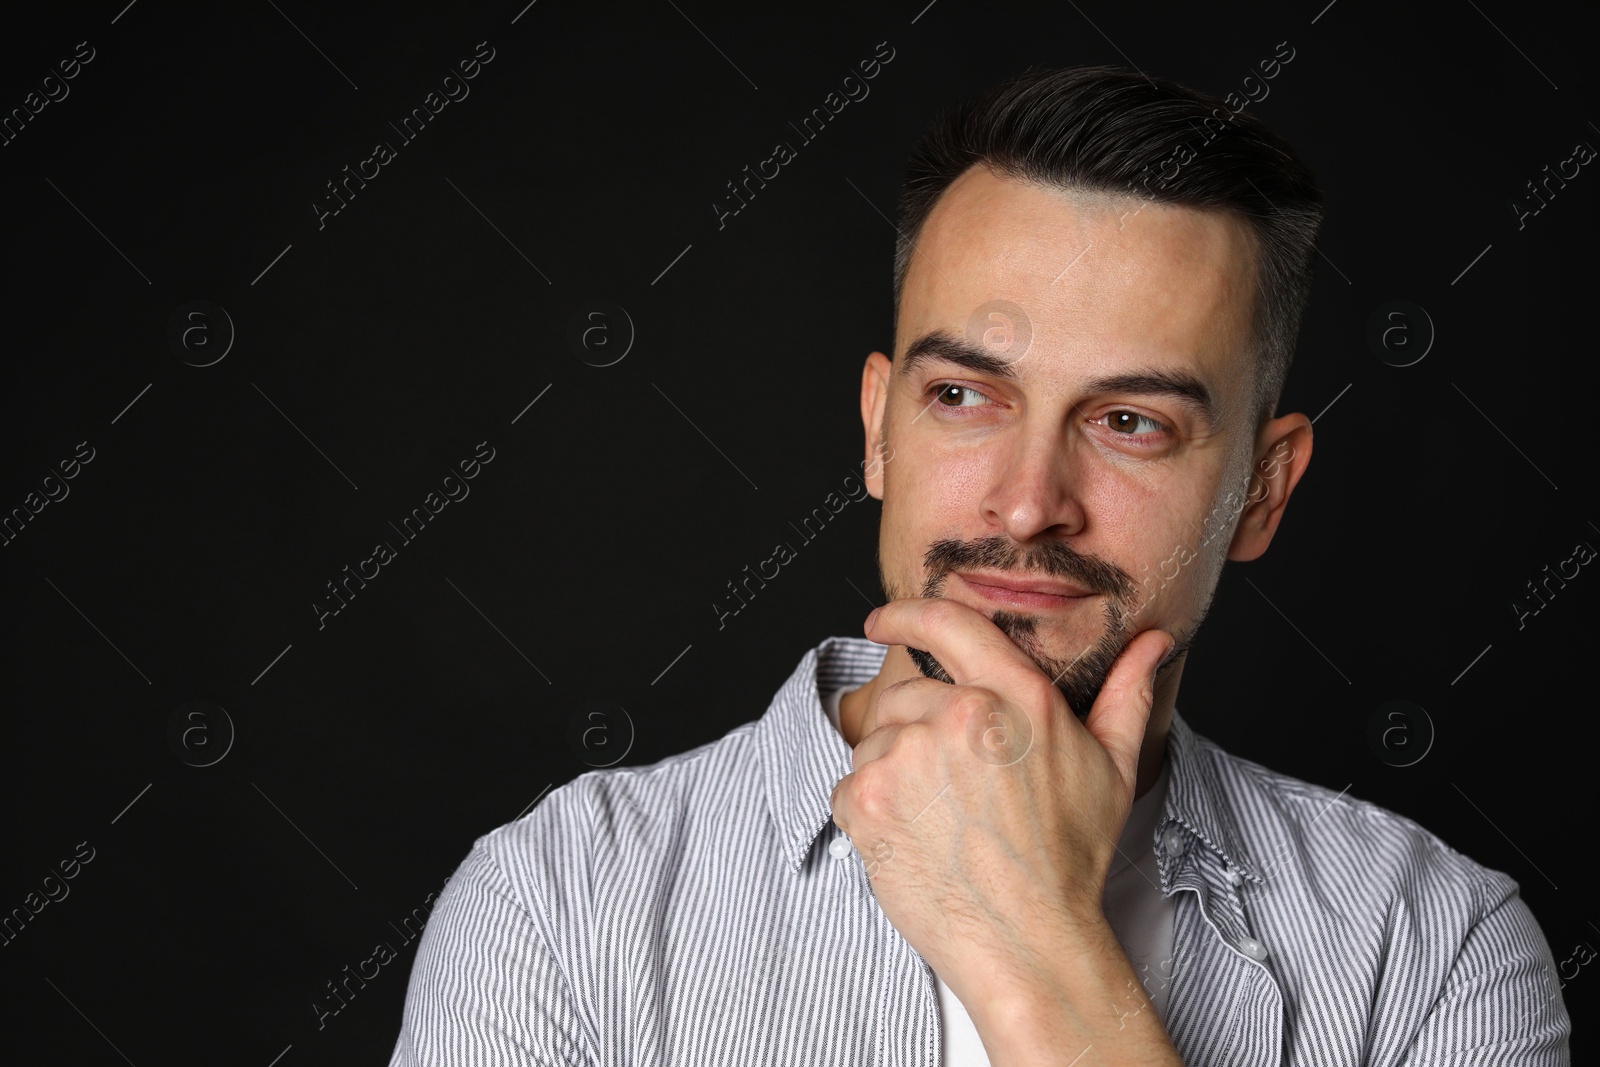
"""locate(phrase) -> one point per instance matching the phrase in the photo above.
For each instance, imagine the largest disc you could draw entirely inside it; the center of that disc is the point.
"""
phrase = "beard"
(1080, 678)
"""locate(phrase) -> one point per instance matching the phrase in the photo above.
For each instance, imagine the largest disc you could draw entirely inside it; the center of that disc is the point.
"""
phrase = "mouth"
(1042, 593)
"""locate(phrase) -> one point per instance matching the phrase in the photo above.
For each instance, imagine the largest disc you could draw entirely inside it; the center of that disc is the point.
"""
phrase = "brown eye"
(1127, 422)
(956, 396)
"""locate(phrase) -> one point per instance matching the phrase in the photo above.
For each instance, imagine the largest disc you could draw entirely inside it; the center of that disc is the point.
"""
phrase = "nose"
(1034, 490)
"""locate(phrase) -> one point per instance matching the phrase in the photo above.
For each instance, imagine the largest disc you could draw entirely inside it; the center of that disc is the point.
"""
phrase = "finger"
(873, 745)
(840, 816)
(905, 701)
(1122, 710)
(964, 640)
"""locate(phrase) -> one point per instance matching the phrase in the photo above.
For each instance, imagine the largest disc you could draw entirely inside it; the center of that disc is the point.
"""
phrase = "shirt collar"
(1199, 800)
(802, 754)
(804, 757)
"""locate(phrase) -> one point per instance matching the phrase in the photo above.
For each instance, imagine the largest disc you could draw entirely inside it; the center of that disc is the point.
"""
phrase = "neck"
(898, 666)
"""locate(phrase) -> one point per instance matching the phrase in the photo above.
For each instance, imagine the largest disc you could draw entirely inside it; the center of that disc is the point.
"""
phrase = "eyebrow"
(1180, 385)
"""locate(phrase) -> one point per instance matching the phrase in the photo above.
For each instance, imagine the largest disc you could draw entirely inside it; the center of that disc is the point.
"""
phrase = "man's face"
(1041, 467)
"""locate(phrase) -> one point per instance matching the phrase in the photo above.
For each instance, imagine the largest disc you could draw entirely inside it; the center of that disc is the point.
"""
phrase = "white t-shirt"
(1139, 915)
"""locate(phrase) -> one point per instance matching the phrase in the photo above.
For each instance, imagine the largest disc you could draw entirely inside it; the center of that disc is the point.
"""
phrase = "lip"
(1029, 593)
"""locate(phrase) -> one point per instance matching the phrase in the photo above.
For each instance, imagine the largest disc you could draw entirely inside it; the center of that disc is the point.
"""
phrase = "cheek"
(927, 499)
(1132, 521)
(932, 498)
(930, 494)
(1157, 535)
(953, 488)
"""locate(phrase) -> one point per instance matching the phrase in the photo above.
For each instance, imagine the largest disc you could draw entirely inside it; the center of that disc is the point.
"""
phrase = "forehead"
(1104, 281)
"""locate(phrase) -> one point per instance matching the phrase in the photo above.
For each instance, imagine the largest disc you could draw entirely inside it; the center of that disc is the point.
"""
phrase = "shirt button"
(1172, 841)
(839, 847)
(1253, 948)
(1233, 876)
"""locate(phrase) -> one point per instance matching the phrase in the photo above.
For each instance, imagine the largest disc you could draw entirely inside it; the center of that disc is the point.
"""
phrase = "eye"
(1127, 423)
(949, 395)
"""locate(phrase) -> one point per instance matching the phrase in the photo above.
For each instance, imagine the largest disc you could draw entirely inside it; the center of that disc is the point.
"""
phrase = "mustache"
(1054, 558)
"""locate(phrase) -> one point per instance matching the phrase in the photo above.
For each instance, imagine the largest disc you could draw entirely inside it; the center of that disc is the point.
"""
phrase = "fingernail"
(867, 626)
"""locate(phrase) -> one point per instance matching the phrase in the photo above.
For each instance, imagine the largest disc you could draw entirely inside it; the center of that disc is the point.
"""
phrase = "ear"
(875, 377)
(1283, 449)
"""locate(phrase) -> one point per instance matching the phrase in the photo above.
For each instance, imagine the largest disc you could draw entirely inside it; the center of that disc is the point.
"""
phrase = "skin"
(985, 805)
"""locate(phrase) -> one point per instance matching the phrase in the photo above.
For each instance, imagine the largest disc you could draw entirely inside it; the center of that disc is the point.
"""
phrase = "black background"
(373, 354)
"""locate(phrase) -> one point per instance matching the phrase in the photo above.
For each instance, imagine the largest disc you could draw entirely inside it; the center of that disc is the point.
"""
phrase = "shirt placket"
(1212, 938)
(909, 986)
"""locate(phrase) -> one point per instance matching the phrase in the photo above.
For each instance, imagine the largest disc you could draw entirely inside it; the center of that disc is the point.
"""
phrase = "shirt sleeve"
(1500, 1004)
(485, 988)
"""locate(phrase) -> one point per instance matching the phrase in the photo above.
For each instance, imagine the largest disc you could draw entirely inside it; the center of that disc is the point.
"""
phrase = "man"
(981, 833)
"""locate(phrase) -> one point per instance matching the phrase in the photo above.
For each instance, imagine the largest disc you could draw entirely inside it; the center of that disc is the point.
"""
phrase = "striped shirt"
(690, 912)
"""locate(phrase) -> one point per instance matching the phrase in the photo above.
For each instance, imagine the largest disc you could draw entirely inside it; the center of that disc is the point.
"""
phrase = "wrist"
(1067, 966)
(1087, 994)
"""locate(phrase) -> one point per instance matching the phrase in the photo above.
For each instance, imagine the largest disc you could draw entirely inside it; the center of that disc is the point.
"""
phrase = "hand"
(986, 811)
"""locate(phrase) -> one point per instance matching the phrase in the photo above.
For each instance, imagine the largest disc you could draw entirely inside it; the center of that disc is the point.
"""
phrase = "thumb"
(1122, 709)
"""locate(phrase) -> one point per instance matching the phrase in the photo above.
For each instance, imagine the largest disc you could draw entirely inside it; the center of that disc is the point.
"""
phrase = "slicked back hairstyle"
(1110, 130)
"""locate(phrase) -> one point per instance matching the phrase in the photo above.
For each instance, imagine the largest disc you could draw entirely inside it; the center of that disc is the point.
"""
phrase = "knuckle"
(870, 798)
(916, 739)
(968, 703)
